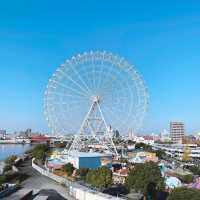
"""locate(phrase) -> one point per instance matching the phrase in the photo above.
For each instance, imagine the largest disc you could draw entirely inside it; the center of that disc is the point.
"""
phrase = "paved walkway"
(38, 182)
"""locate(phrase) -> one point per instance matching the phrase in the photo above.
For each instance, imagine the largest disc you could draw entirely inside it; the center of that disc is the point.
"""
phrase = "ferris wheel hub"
(96, 99)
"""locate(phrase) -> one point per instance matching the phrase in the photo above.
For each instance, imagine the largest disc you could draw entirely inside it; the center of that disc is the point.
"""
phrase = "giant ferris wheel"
(93, 93)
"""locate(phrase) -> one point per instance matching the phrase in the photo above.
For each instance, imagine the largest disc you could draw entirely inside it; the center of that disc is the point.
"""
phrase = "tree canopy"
(184, 193)
(187, 178)
(160, 154)
(69, 169)
(39, 151)
(100, 178)
(186, 154)
(143, 146)
(145, 178)
(82, 173)
(195, 170)
(10, 160)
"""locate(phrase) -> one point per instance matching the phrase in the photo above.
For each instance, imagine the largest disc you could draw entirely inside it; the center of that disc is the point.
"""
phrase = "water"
(12, 149)
(7, 150)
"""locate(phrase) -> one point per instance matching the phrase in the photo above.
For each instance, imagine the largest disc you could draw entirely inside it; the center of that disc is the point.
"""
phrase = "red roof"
(39, 138)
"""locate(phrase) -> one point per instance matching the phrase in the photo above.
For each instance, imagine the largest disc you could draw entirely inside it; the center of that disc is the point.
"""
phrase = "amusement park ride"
(91, 92)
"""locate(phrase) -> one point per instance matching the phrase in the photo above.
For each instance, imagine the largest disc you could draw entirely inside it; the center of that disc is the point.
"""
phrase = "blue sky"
(160, 37)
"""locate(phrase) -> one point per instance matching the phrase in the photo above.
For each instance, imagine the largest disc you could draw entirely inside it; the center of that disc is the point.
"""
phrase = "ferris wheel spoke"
(113, 92)
(68, 88)
(58, 97)
(110, 69)
(64, 94)
(110, 114)
(100, 76)
(109, 84)
(93, 71)
(74, 82)
(121, 90)
(116, 108)
(83, 82)
(67, 105)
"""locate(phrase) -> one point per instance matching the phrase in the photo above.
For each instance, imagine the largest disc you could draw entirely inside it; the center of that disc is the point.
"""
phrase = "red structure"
(39, 139)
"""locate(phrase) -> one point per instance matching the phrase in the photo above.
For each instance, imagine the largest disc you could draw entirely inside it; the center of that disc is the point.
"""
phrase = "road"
(41, 183)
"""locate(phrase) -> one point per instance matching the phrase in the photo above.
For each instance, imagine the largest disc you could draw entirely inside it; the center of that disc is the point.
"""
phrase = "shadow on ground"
(52, 194)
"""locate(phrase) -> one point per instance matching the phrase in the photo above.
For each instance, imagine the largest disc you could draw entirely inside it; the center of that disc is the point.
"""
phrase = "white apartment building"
(177, 132)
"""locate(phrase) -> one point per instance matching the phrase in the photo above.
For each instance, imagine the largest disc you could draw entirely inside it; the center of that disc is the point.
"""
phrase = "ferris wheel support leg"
(107, 132)
(77, 136)
(87, 124)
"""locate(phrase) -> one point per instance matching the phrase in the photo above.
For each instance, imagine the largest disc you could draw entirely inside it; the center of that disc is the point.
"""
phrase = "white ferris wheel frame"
(84, 91)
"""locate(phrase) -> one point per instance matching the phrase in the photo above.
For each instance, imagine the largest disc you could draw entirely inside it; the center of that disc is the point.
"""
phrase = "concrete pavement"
(41, 183)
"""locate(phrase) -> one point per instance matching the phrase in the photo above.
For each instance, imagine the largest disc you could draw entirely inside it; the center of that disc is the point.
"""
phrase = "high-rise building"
(3, 134)
(28, 131)
(177, 132)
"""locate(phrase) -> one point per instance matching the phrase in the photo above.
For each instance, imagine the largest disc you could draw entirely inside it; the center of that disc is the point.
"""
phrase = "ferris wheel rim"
(98, 55)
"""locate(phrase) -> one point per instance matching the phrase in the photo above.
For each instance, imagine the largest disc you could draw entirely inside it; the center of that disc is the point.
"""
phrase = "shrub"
(143, 146)
(11, 160)
(39, 151)
(15, 176)
(11, 176)
(100, 178)
(82, 173)
(145, 178)
(69, 168)
(184, 194)
(7, 168)
(160, 154)
(187, 178)
(2, 179)
(195, 170)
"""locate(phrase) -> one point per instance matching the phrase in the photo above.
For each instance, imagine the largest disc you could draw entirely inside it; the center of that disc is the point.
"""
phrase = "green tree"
(130, 142)
(2, 179)
(105, 177)
(39, 152)
(195, 170)
(184, 194)
(69, 169)
(7, 168)
(187, 178)
(91, 178)
(100, 178)
(144, 177)
(186, 154)
(82, 173)
(11, 160)
(160, 154)
(143, 146)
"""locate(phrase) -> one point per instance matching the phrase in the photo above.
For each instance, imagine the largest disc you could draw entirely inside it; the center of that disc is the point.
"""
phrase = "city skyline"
(160, 39)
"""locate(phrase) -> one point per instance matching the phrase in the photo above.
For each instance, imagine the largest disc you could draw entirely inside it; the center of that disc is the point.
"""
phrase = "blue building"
(90, 160)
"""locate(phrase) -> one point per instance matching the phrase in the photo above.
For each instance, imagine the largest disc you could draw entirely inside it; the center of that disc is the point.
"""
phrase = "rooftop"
(90, 154)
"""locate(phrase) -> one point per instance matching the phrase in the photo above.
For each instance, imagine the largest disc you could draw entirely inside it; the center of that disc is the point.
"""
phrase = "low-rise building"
(177, 150)
(142, 157)
(120, 175)
(88, 159)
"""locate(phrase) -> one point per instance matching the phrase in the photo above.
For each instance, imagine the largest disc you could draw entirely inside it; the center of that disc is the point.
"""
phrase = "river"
(7, 150)
(12, 149)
